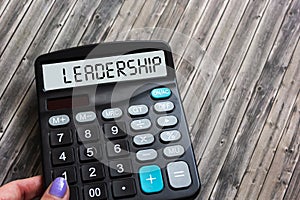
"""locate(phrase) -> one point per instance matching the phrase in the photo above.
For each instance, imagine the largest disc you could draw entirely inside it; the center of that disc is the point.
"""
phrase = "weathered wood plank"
(12, 16)
(15, 136)
(143, 26)
(236, 104)
(285, 160)
(197, 88)
(208, 24)
(21, 40)
(20, 84)
(129, 12)
(259, 108)
(30, 152)
(169, 20)
(262, 157)
(196, 46)
(97, 30)
(220, 88)
(186, 26)
(294, 185)
(76, 24)
(3, 5)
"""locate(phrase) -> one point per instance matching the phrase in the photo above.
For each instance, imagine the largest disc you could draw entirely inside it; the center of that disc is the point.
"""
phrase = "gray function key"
(87, 116)
(167, 121)
(112, 113)
(164, 106)
(173, 151)
(59, 120)
(170, 136)
(179, 174)
(137, 110)
(146, 155)
(143, 139)
(140, 124)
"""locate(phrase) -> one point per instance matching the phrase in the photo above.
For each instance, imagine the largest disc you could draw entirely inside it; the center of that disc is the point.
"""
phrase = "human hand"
(33, 187)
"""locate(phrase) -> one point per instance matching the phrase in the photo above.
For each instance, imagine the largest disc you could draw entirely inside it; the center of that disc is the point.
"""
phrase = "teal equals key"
(161, 93)
(151, 179)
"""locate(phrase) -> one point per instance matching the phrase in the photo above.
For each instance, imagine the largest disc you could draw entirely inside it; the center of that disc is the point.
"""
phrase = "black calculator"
(112, 123)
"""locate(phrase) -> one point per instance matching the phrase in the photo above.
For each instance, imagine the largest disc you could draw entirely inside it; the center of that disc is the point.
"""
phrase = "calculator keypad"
(77, 152)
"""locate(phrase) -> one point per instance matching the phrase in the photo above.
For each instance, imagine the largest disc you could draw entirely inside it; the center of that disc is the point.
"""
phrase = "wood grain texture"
(169, 20)
(3, 5)
(148, 17)
(126, 17)
(238, 73)
(195, 87)
(237, 101)
(261, 159)
(105, 15)
(228, 70)
(285, 159)
(258, 109)
(186, 26)
(294, 185)
(76, 24)
(21, 40)
(12, 16)
(196, 47)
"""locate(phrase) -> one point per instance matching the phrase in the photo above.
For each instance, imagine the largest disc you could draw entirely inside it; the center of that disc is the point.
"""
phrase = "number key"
(62, 156)
(92, 172)
(68, 173)
(88, 133)
(119, 168)
(89, 152)
(62, 137)
(117, 148)
(116, 130)
(95, 191)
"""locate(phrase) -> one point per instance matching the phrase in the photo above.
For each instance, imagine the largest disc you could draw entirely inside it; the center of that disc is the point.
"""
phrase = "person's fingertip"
(59, 187)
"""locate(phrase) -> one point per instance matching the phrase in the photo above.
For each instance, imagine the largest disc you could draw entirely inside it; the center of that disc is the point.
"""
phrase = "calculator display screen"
(104, 70)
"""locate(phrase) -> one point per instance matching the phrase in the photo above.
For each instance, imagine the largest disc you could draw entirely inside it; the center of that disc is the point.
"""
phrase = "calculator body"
(120, 139)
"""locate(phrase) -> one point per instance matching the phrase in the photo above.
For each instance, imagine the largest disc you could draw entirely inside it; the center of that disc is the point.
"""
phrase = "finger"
(22, 189)
(58, 190)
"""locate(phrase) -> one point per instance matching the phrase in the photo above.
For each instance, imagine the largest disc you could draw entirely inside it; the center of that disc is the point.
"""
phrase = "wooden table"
(238, 66)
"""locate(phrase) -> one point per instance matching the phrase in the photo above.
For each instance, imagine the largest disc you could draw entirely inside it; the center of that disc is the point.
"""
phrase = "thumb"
(58, 190)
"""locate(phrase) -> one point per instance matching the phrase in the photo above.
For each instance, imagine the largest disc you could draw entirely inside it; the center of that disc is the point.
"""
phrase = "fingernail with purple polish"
(58, 187)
